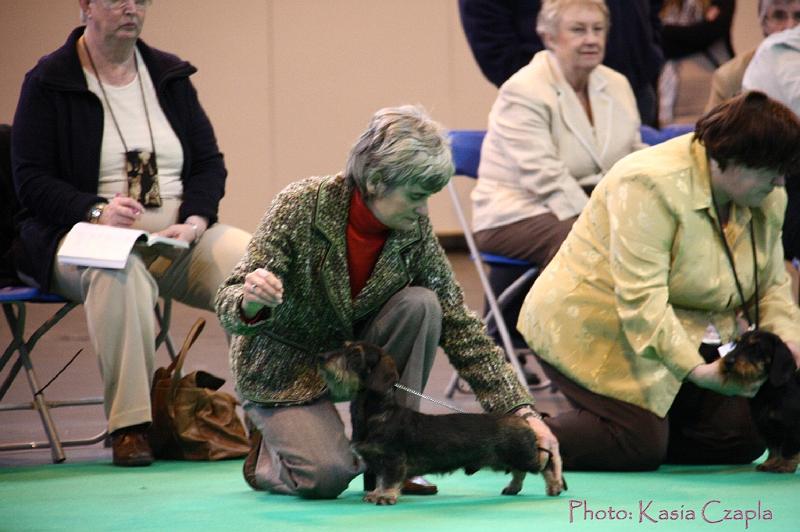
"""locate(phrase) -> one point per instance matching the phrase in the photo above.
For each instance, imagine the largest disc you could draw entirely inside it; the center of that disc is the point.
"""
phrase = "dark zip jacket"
(56, 139)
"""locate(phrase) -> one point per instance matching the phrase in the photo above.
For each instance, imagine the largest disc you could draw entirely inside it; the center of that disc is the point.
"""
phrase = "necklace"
(108, 103)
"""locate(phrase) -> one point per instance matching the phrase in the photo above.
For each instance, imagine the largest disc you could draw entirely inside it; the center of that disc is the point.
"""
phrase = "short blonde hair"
(552, 10)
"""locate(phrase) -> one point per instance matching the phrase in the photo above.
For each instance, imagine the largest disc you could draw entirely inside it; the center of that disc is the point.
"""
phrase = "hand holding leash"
(262, 288)
(549, 455)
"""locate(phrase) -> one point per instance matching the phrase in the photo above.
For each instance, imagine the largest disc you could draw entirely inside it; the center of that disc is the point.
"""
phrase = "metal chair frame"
(466, 153)
(17, 355)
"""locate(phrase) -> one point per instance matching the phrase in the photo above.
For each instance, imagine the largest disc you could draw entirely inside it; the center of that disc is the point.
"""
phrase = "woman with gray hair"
(556, 127)
(775, 16)
(352, 257)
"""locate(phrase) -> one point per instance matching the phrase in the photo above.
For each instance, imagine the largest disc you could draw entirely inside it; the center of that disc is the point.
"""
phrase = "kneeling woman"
(353, 257)
(675, 243)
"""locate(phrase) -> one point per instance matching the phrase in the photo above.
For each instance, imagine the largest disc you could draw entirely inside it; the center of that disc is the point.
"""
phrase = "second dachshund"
(776, 407)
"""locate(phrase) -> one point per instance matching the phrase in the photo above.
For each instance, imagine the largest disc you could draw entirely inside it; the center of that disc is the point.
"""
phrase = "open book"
(104, 246)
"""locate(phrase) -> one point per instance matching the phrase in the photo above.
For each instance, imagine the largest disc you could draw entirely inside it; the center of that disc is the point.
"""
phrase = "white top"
(126, 101)
(540, 148)
(775, 68)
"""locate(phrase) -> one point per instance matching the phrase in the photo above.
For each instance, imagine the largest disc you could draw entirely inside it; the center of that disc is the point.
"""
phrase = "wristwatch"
(95, 212)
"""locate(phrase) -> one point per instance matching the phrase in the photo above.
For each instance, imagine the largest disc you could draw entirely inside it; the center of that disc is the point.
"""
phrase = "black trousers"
(605, 434)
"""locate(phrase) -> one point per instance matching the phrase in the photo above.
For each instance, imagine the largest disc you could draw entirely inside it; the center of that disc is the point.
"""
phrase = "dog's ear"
(383, 376)
(783, 365)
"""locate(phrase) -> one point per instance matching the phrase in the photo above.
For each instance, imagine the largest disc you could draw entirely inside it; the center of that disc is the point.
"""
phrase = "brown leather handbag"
(192, 419)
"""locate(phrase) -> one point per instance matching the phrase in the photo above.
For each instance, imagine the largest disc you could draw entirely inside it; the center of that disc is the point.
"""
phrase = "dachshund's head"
(355, 367)
(759, 354)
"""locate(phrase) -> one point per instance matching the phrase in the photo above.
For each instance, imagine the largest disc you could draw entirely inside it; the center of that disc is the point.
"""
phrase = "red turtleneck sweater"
(366, 236)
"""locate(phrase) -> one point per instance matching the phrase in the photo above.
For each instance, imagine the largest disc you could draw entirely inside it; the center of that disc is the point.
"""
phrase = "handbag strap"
(174, 369)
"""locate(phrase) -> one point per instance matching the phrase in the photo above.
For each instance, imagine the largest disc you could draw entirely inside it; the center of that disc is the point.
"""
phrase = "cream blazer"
(540, 147)
(623, 306)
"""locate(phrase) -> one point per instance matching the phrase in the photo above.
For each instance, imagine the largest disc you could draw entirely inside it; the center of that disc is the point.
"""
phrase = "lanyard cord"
(733, 265)
(108, 103)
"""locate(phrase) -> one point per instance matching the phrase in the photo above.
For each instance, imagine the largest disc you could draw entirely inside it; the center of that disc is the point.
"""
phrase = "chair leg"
(56, 450)
(16, 322)
(503, 300)
(15, 316)
(164, 317)
(487, 289)
(452, 386)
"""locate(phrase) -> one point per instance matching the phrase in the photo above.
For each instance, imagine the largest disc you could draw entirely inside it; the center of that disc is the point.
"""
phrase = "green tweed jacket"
(301, 239)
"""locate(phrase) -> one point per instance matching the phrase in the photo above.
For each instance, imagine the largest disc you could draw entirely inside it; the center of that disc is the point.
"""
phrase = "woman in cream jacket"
(557, 126)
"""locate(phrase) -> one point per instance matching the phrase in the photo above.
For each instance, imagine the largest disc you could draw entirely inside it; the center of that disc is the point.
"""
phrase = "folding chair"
(17, 356)
(466, 148)
(14, 297)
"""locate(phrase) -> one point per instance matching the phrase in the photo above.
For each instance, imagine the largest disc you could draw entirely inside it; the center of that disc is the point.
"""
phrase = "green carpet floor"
(213, 496)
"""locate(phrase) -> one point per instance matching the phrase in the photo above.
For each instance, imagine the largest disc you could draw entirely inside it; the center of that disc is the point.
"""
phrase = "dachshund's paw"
(515, 486)
(555, 489)
(381, 498)
(554, 484)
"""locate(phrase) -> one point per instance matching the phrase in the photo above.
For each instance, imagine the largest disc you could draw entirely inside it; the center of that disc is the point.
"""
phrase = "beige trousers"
(119, 306)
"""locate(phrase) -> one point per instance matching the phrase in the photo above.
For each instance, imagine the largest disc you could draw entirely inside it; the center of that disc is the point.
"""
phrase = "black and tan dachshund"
(397, 443)
(776, 407)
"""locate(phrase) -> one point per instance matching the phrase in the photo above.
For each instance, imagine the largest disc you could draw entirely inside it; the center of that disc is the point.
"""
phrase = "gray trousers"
(304, 450)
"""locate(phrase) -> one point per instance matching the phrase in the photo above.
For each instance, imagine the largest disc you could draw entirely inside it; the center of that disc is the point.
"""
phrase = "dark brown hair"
(751, 130)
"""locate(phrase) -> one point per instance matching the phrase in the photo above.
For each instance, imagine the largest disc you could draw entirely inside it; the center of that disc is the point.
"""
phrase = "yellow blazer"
(623, 306)
(540, 147)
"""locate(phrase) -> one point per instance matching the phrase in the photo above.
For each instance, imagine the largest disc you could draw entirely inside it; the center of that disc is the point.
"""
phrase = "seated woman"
(774, 16)
(352, 257)
(696, 36)
(557, 126)
(110, 130)
(677, 241)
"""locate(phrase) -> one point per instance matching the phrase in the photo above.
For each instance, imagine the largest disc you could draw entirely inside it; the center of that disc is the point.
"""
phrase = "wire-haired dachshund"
(776, 407)
(397, 443)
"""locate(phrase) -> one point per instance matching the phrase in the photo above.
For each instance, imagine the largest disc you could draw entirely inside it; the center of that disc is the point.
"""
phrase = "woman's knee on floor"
(605, 447)
(327, 481)
(644, 447)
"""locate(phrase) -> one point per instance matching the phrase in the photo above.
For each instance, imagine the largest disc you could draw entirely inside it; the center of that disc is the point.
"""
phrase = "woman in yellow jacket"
(672, 241)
